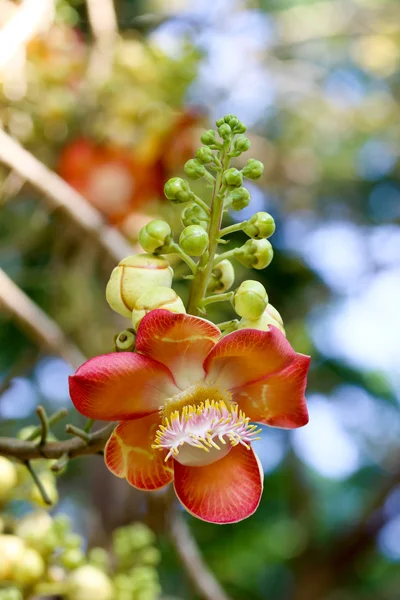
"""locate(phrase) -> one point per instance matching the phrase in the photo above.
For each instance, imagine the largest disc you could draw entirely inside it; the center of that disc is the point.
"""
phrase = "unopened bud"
(37, 530)
(178, 190)
(260, 226)
(241, 143)
(253, 169)
(194, 240)
(155, 236)
(204, 155)
(89, 583)
(256, 254)
(222, 277)
(194, 169)
(269, 317)
(29, 569)
(228, 118)
(156, 297)
(125, 341)
(250, 299)
(225, 131)
(193, 214)
(240, 198)
(8, 479)
(220, 122)
(240, 128)
(72, 558)
(11, 551)
(209, 138)
(233, 178)
(132, 276)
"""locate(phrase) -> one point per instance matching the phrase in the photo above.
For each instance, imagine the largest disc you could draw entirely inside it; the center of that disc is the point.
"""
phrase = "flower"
(185, 401)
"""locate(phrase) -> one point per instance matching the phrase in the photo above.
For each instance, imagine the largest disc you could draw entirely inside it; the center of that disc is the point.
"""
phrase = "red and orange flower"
(185, 401)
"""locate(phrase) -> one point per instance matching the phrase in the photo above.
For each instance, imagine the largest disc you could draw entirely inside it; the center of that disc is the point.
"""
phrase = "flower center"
(200, 434)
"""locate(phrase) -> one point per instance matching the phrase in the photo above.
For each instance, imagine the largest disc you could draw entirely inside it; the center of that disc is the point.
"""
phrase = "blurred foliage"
(320, 83)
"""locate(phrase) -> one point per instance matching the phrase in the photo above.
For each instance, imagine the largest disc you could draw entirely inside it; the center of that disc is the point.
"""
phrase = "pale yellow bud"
(269, 317)
(11, 551)
(134, 275)
(30, 569)
(157, 297)
(36, 529)
(222, 277)
(8, 479)
(89, 583)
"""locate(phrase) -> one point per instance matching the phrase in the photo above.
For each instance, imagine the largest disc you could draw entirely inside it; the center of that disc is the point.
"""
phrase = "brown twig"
(61, 196)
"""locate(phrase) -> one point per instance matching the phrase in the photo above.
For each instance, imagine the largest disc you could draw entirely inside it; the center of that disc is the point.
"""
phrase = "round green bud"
(225, 131)
(220, 122)
(150, 556)
(240, 128)
(125, 341)
(37, 530)
(155, 236)
(193, 214)
(253, 169)
(233, 178)
(269, 317)
(240, 198)
(209, 137)
(261, 225)
(204, 155)
(233, 122)
(156, 297)
(228, 118)
(87, 583)
(250, 299)
(29, 569)
(241, 143)
(194, 240)
(178, 190)
(222, 277)
(72, 558)
(140, 535)
(194, 169)
(256, 254)
(98, 557)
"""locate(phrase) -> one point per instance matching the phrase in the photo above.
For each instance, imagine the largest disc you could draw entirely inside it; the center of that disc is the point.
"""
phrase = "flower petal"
(121, 385)
(226, 491)
(179, 341)
(279, 399)
(246, 356)
(128, 454)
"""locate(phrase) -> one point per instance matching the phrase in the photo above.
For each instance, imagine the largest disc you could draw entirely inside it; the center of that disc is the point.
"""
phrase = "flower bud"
(125, 341)
(250, 299)
(36, 529)
(261, 225)
(194, 169)
(193, 214)
(233, 178)
(209, 138)
(89, 583)
(227, 118)
(253, 169)
(222, 277)
(240, 128)
(194, 240)
(269, 317)
(29, 569)
(241, 143)
(8, 479)
(256, 254)
(132, 276)
(12, 549)
(233, 122)
(156, 297)
(155, 236)
(225, 131)
(72, 558)
(240, 198)
(178, 190)
(204, 155)
(220, 122)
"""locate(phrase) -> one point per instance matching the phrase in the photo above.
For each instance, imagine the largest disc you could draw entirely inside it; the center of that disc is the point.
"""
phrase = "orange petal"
(248, 355)
(279, 399)
(121, 385)
(128, 454)
(179, 341)
(226, 491)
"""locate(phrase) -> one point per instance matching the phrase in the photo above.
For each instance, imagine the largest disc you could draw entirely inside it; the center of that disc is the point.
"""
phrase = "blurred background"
(116, 106)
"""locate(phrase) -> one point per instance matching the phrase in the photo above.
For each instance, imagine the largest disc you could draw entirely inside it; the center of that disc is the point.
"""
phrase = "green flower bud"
(209, 138)
(222, 277)
(269, 317)
(194, 240)
(225, 131)
(156, 297)
(261, 225)
(240, 128)
(204, 155)
(253, 169)
(89, 583)
(233, 122)
(178, 190)
(194, 169)
(155, 236)
(240, 198)
(193, 214)
(140, 536)
(37, 530)
(150, 556)
(228, 118)
(220, 122)
(72, 558)
(241, 143)
(8, 479)
(250, 299)
(233, 178)
(256, 254)
(98, 557)
(132, 277)
(125, 341)
(29, 569)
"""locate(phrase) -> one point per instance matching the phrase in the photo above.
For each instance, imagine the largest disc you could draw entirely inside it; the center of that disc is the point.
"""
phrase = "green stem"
(232, 228)
(209, 176)
(38, 483)
(52, 420)
(201, 203)
(88, 425)
(205, 266)
(175, 249)
(227, 297)
(228, 325)
(72, 430)
(44, 423)
(227, 254)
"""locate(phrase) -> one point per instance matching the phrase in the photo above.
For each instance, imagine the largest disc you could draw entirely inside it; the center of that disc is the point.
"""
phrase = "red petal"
(179, 341)
(121, 385)
(128, 454)
(279, 399)
(226, 491)
(248, 355)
